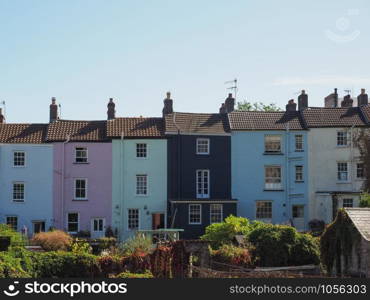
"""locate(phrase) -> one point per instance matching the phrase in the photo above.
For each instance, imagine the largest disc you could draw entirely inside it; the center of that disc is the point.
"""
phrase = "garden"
(236, 244)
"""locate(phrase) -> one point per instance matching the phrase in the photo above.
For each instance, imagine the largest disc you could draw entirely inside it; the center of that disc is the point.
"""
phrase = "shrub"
(137, 245)
(365, 200)
(53, 240)
(146, 274)
(15, 237)
(106, 243)
(109, 264)
(109, 232)
(230, 254)
(224, 232)
(80, 246)
(10, 266)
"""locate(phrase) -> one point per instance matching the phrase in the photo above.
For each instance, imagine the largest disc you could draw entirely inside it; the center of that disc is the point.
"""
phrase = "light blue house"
(139, 185)
(26, 178)
(269, 166)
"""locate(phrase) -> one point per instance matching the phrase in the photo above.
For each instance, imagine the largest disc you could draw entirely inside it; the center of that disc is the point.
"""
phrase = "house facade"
(139, 185)
(199, 169)
(270, 166)
(336, 170)
(82, 176)
(25, 178)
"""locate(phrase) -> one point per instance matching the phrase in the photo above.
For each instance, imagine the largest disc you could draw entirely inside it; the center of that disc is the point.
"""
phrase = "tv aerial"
(234, 86)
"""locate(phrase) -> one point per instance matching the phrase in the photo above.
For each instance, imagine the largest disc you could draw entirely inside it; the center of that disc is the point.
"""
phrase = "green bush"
(106, 243)
(230, 254)
(146, 274)
(365, 200)
(81, 247)
(11, 267)
(224, 232)
(136, 244)
(15, 237)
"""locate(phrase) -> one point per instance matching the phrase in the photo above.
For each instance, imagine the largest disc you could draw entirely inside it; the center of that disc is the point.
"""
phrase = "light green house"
(139, 185)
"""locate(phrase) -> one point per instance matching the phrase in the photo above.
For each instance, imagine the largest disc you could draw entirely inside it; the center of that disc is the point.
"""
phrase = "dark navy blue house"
(199, 169)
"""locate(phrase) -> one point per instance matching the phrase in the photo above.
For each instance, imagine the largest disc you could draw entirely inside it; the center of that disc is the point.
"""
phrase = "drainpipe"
(68, 138)
(121, 184)
(287, 171)
(178, 169)
(352, 159)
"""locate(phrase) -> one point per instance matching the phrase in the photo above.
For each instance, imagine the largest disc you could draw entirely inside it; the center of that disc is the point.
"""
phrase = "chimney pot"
(229, 103)
(332, 99)
(363, 98)
(168, 105)
(111, 109)
(53, 113)
(302, 101)
(347, 101)
(291, 106)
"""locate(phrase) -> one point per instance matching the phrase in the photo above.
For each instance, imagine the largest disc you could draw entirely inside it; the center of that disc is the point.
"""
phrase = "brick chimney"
(223, 108)
(2, 118)
(53, 110)
(332, 99)
(302, 101)
(168, 105)
(111, 109)
(363, 98)
(229, 103)
(291, 106)
(347, 101)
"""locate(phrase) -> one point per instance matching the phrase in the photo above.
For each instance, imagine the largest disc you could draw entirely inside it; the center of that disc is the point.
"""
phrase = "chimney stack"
(168, 105)
(111, 109)
(223, 109)
(363, 98)
(53, 110)
(229, 103)
(291, 106)
(332, 100)
(2, 118)
(347, 101)
(302, 101)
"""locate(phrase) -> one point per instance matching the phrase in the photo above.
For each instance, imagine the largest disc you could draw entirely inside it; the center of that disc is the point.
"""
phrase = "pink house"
(82, 175)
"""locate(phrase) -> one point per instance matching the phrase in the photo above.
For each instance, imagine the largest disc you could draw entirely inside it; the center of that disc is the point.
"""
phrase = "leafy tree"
(365, 200)
(256, 106)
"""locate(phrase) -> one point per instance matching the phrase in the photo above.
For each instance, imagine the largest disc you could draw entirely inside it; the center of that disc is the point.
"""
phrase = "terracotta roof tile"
(22, 133)
(88, 131)
(197, 123)
(136, 127)
(333, 117)
(365, 109)
(260, 120)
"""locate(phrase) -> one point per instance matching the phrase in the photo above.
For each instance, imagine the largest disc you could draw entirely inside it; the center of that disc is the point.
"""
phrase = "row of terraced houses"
(183, 170)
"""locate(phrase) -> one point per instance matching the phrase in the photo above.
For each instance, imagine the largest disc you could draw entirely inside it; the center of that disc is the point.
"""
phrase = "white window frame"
(363, 170)
(271, 206)
(78, 222)
(344, 138)
(146, 185)
(138, 150)
(347, 171)
(24, 159)
(93, 224)
(87, 155)
(190, 214)
(267, 136)
(75, 189)
(346, 204)
(299, 143)
(12, 216)
(128, 219)
(208, 145)
(301, 173)
(273, 186)
(203, 195)
(24, 191)
(218, 213)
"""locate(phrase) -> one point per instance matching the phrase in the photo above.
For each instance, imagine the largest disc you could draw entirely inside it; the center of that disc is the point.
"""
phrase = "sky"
(84, 52)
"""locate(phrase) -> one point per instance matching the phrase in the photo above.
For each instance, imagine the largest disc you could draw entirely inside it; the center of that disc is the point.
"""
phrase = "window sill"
(19, 167)
(273, 153)
(81, 163)
(18, 201)
(142, 195)
(299, 181)
(344, 182)
(80, 199)
(195, 223)
(298, 150)
(343, 146)
(273, 190)
(203, 154)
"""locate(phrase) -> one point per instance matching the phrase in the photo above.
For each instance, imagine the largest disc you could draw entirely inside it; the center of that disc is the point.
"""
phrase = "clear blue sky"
(84, 51)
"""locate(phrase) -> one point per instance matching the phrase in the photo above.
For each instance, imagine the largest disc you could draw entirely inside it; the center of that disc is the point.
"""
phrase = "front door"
(157, 221)
(38, 226)
(298, 217)
(97, 228)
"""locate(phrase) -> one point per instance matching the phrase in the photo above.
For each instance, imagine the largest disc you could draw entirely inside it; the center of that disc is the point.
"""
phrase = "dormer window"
(81, 155)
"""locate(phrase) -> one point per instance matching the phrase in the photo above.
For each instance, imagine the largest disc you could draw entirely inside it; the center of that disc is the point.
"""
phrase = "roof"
(197, 123)
(261, 120)
(136, 127)
(333, 117)
(361, 219)
(22, 133)
(81, 131)
(365, 109)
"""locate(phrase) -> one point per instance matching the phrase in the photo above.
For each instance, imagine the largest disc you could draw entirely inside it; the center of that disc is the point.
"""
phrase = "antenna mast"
(234, 86)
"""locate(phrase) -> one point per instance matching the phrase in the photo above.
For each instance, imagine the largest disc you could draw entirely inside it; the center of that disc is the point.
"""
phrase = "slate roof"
(361, 219)
(333, 117)
(198, 123)
(22, 133)
(81, 131)
(136, 127)
(260, 120)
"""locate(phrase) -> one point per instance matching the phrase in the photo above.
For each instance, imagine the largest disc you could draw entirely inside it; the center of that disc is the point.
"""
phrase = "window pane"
(141, 185)
(299, 142)
(342, 171)
(347, 202)
(360, 170)
(73, 222)
(19, 159)
(264, 210)
(216, 213)
(273, 177)
(141, 150)
(81, 155)
(299, 173)
(133, 219)
(298, 211)
(12, 222)
(194, 214)
(18, 192)
(202, 183)
(342, 138)
(202, 146)
(273, 143)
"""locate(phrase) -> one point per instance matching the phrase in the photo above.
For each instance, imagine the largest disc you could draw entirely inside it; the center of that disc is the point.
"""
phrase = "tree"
(361, 139)
(256, 106)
